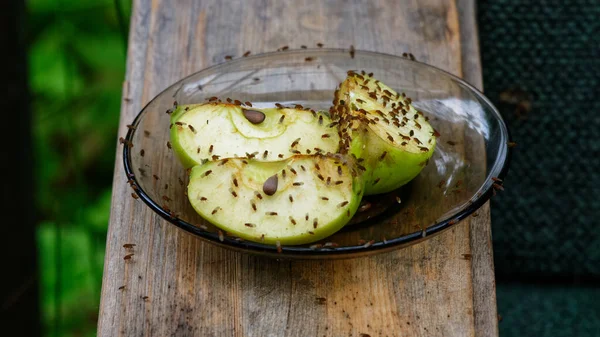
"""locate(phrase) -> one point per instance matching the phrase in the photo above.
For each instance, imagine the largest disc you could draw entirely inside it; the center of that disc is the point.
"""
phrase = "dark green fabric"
(541, 67)
(547, 222)
(548, 311)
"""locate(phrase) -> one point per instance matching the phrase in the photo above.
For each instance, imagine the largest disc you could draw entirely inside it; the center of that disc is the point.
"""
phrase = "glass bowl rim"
(501, 167)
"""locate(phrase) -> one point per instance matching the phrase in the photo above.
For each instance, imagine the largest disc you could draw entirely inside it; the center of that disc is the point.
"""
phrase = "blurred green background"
(77, 53)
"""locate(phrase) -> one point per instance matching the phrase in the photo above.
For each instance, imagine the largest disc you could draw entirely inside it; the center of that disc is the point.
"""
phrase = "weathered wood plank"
(484, 285)
(195, 289)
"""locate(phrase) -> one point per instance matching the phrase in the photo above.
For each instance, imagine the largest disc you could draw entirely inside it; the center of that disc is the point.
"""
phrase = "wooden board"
(178, 285)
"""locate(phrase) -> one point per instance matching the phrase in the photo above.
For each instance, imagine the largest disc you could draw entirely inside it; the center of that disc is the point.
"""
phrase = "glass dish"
(472, 151)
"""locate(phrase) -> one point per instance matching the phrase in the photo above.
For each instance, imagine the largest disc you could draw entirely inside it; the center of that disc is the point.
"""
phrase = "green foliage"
(76, 71)
(79, 281)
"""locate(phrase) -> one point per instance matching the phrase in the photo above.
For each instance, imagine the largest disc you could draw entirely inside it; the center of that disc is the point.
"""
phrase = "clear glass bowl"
(472, 149)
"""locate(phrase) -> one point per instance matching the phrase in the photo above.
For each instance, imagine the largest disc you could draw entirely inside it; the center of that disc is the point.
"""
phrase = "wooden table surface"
(177, 285)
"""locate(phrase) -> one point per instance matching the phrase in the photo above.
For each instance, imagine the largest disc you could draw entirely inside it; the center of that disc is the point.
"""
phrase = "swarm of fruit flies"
(288, 175)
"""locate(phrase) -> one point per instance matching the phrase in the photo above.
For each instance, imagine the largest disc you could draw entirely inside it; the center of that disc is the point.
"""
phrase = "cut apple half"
(299, 200)
(214, 131)
(379, 126)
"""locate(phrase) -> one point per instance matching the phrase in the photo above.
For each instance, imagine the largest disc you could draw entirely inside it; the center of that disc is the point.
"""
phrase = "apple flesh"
(299, 200)
(215, 131)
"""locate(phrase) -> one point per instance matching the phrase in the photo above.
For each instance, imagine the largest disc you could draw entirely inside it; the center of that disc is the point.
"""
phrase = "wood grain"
(177, 285)
(484, 284)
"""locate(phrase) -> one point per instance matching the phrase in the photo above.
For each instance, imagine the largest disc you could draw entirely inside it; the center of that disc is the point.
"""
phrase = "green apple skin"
(392, 153)
(214, 191)
(183, 155)
(231, 135)
(397, 168)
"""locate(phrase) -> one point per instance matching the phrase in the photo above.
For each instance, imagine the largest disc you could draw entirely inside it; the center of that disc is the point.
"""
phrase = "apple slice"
(220, 130)
(379, 126)
(302, 199)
